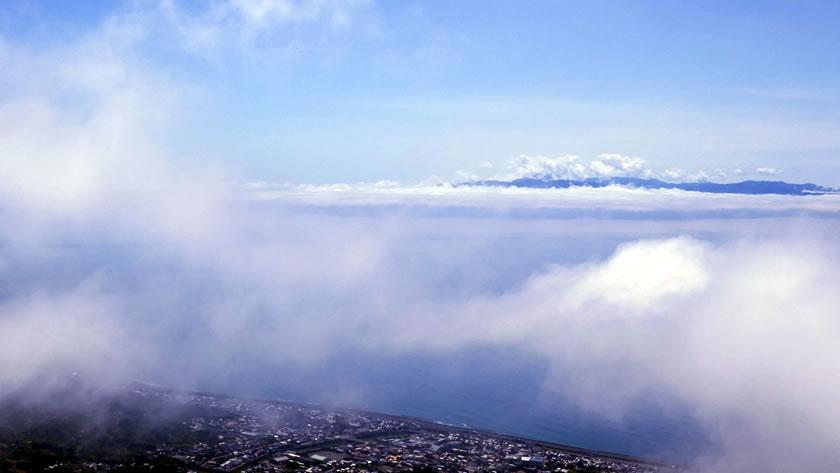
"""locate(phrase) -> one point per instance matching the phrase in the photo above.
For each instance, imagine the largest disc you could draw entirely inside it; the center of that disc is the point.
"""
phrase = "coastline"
(435, 426)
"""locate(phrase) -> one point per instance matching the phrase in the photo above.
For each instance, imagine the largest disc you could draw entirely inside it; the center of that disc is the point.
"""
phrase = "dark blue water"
(494, 389)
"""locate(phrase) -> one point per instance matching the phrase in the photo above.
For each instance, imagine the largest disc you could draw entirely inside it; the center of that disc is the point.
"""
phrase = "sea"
(483, 388)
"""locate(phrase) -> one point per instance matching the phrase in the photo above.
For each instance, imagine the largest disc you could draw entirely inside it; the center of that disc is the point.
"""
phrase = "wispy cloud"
(764, 171)
(224, 22)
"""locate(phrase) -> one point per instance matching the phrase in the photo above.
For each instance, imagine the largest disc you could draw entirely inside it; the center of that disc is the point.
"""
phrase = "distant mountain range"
(745, 187)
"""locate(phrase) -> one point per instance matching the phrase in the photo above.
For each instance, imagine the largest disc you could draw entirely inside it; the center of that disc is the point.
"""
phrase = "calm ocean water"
(487, 389)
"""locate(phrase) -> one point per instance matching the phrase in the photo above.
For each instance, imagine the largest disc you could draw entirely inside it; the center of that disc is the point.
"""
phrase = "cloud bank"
(606, 166)
(614, 201)
(742, 332)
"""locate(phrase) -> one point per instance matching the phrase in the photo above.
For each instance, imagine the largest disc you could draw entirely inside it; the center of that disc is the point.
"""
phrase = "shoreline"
(435, 426)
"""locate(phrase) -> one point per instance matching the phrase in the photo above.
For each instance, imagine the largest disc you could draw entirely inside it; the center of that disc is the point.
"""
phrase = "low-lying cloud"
(742, 332)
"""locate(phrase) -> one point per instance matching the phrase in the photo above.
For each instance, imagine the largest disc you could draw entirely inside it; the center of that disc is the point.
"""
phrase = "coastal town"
(276, 436)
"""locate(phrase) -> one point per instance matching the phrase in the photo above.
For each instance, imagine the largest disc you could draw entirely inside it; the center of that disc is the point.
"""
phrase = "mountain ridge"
(749, 187)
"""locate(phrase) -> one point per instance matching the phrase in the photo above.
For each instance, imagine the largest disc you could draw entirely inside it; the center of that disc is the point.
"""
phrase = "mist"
(731, 322)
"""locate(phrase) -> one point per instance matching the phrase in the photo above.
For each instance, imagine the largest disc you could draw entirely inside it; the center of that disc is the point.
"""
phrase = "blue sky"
(404, 90)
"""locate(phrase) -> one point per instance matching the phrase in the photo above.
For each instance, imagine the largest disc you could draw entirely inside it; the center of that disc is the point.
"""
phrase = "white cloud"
(265, 13)
(743, 331)
(614, 165)
(673, 174)
(544, 167)
(624, 284)
(769, 171)
(228, 22)
(464, 176)
(700, 176)
(605, 166)
(69, 329)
